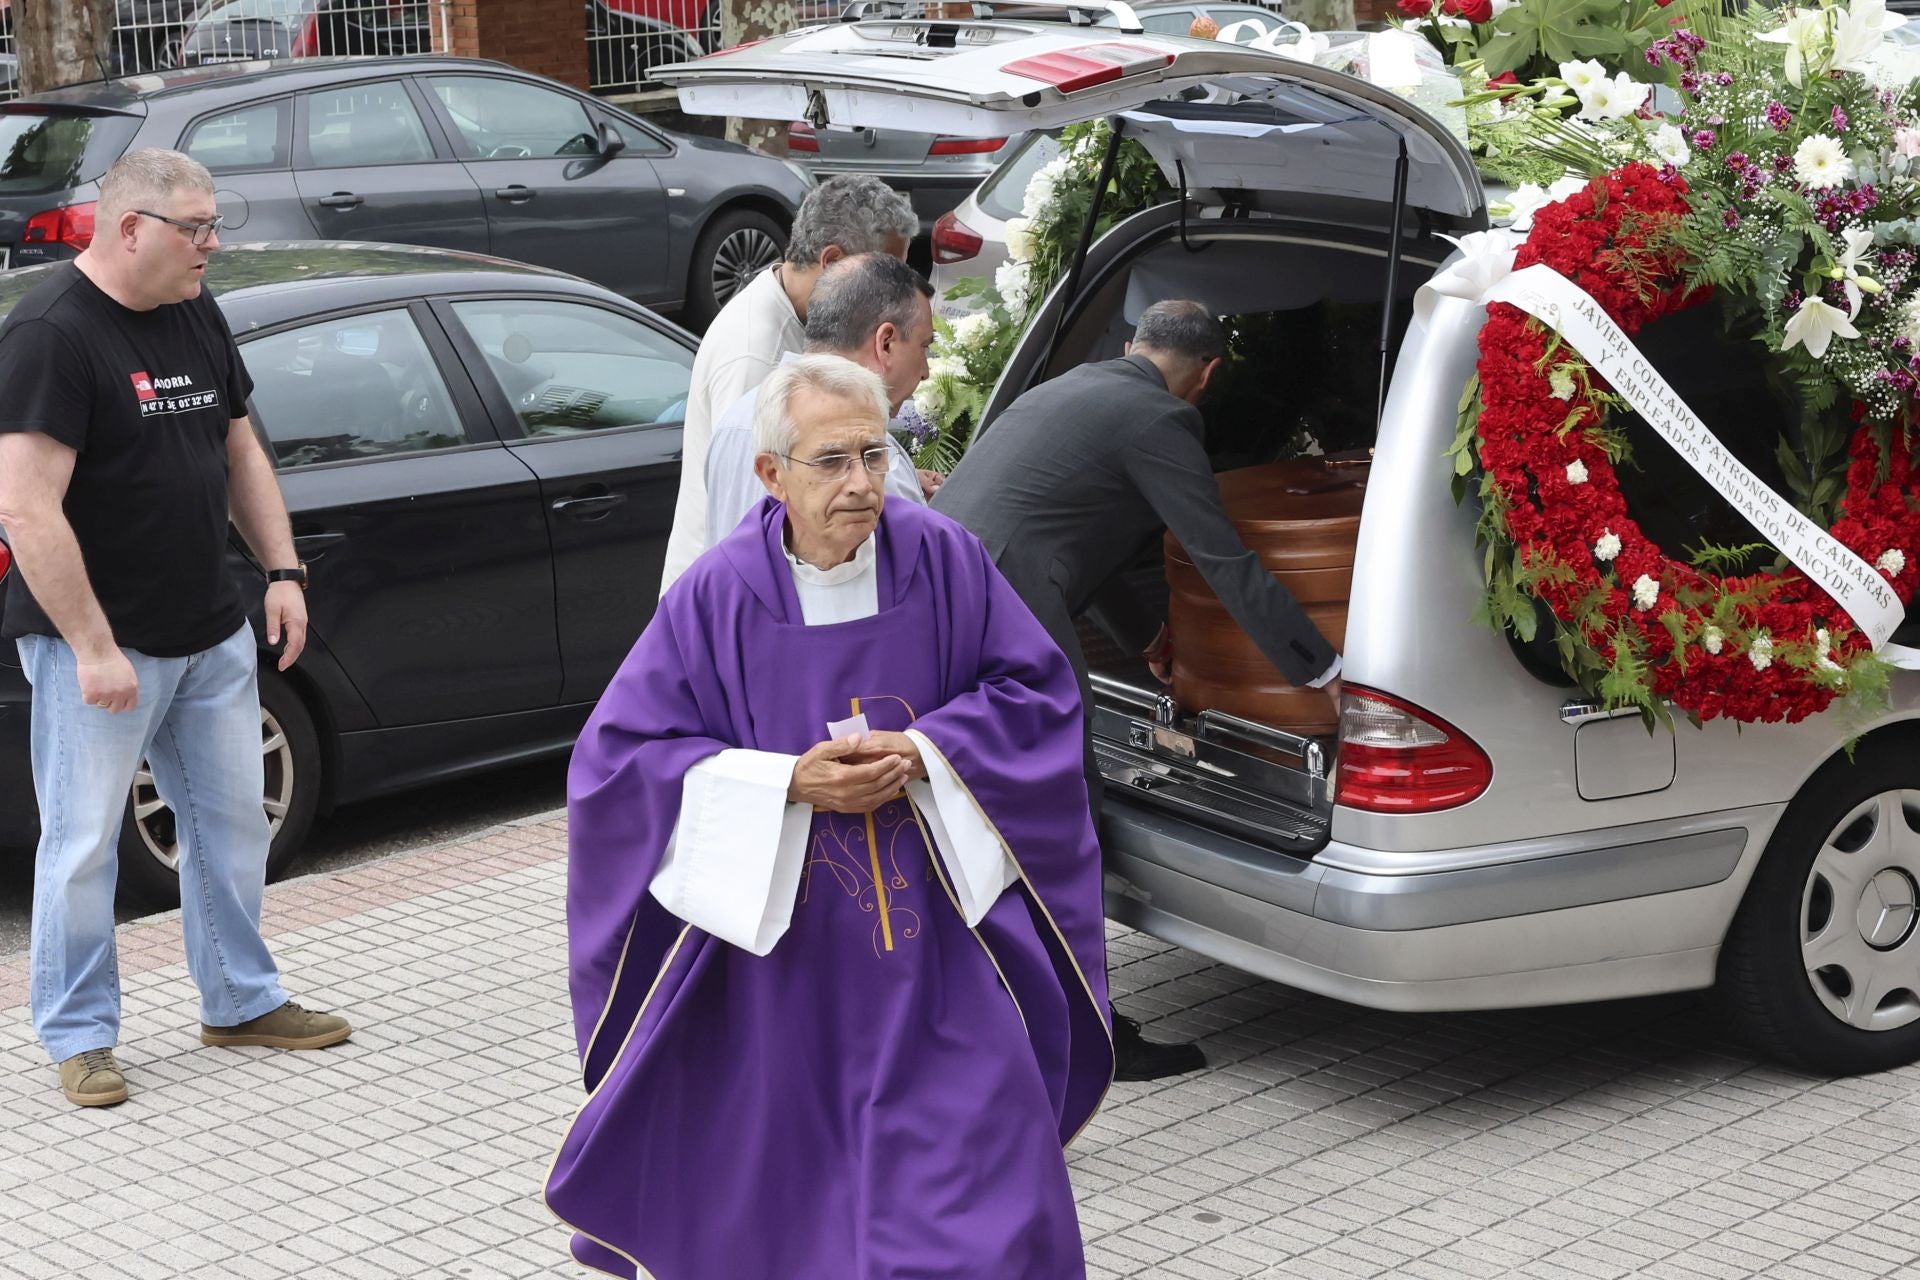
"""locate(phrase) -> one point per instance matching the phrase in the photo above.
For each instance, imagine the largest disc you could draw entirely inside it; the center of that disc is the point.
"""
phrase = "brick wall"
(548, 37)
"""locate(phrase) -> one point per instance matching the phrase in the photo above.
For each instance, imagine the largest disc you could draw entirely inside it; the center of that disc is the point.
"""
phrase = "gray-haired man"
(874, 310)
(842, 217)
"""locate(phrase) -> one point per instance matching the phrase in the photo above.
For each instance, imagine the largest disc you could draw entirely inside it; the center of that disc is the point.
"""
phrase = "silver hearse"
(1475, 834)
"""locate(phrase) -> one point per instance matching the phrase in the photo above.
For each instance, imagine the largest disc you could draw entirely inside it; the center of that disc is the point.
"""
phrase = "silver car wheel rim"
(741, 256)
(1858, 914)
(155, 821)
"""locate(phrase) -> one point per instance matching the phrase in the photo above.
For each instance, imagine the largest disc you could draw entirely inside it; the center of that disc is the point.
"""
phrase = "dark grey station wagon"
(457, 153)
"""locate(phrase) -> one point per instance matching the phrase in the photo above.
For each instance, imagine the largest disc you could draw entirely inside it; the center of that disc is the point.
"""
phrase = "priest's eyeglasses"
(838, 466)
(202, 231)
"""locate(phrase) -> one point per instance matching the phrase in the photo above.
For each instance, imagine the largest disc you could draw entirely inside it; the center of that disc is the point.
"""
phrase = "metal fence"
(626, 37)
(623, 37)
(155, 35)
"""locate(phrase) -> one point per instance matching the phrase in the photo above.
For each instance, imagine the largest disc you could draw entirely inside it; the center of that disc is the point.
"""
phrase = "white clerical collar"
(852, 570)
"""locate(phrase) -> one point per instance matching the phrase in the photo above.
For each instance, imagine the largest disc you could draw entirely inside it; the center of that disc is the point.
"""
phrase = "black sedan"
(458, 153)
(480, 460)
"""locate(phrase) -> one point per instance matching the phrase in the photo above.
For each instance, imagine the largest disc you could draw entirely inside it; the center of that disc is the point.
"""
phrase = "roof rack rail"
(1079, 13)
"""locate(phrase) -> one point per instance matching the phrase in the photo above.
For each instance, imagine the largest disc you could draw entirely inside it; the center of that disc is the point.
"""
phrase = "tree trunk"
(62, 42)
(741, 21)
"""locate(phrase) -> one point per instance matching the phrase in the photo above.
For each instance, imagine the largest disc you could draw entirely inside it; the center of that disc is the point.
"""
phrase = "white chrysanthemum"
(973, 331)
(1561, 383)
(1043, 186)
(944, 367)
(1646, 590)
(1760, 651)
(928, 400)
(1670, 145)
(1821, 162)
(1576, 472)
(1012, 279)
(1713, 639)
(1607, 547)
(1892, 562)
(1581, 76)
(1910, 320)
(1019, 238)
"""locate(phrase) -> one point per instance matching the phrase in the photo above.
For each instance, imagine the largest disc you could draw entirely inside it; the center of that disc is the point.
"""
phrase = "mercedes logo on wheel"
(1887, 908)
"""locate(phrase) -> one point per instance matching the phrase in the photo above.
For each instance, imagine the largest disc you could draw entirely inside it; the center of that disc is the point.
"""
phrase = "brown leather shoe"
(93, 1079)
(288, 1027)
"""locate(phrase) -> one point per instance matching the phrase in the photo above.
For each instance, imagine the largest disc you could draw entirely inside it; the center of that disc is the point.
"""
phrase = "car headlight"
(800, 171)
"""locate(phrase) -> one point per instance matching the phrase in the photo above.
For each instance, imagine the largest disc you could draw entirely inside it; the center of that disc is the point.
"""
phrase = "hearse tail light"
(946, 146)
(801, 137)
(1070, 70)
(954, 240)
(71, 226)
(1396, 758)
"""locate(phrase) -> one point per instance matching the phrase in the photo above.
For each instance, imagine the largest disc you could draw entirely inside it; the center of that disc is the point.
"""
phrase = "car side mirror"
(608, 138)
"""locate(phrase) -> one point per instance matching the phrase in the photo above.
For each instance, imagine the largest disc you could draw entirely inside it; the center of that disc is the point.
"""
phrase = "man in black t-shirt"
(124, 450)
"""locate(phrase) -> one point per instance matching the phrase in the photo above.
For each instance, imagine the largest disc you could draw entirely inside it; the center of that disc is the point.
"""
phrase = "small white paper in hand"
(837, 729)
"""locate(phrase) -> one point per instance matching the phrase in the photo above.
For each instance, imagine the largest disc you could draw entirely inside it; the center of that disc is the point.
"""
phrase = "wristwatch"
(296, 574)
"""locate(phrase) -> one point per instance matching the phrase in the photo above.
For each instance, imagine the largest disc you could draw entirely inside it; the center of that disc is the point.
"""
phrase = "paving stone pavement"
(1325, 1141)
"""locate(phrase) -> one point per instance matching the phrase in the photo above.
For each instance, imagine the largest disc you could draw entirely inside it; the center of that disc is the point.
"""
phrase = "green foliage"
(1534, 36)
(1722, 561)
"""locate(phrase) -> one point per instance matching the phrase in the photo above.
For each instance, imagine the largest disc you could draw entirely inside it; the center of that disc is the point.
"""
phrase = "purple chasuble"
(886, 1094)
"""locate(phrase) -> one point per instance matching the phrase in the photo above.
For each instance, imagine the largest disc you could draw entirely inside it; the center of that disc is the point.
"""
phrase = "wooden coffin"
(1302, 517)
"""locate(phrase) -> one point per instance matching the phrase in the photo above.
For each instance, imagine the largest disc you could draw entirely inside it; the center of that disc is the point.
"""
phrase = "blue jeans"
(198, 725)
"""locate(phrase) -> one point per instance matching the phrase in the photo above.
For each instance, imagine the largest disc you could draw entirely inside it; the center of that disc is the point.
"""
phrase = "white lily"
(1518, 209)
(1805, 35)
(1858, 242)
(1581, 76)
(1858, 32)
(1815, 325)
(1613, 99)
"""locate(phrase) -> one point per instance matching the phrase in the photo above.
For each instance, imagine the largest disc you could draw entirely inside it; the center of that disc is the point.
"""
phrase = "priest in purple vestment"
(833, 898)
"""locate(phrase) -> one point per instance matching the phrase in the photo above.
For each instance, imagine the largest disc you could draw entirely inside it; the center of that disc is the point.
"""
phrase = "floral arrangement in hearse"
(970, 351)
(1785, 192)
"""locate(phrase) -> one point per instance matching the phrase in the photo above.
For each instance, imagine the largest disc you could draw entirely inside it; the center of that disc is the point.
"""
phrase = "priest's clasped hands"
(856, 773)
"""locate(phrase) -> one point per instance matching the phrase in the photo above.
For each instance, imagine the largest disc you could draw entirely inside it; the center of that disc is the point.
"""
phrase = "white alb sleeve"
(977, 864)
(733, 860)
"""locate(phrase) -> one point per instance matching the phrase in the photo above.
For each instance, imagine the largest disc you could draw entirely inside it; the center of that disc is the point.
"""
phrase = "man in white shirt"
(833, 897)
(843, 216)
(874, 310)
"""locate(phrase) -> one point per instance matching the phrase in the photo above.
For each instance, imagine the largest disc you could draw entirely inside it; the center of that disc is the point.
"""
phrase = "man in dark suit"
(1071, 482)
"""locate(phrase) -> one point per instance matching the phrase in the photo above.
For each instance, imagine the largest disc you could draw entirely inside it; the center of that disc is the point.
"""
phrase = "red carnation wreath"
(1637, 626)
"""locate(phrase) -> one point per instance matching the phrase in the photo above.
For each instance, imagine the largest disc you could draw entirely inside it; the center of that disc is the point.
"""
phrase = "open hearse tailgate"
(1248, 117)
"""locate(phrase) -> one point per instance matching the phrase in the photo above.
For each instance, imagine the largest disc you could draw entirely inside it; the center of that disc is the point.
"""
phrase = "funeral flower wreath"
(1635, 625)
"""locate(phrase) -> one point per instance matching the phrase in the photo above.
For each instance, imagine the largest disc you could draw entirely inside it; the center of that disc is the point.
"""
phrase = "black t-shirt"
(146, 399)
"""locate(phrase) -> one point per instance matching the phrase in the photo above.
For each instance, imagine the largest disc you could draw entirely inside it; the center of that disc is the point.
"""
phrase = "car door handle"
(515, 194)
(591, 507)
(342, 200)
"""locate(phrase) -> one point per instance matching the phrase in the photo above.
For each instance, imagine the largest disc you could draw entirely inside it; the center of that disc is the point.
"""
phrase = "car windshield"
(42, 152)
(1000, 196)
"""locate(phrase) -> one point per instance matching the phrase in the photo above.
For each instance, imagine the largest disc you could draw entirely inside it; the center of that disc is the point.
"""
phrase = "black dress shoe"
(1137, 1058)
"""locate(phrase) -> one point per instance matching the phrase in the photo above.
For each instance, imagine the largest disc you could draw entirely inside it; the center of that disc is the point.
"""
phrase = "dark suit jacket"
(1077, 474)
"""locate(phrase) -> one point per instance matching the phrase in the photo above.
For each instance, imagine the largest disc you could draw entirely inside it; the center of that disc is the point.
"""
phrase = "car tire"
(149, 847)
(734, 248)
(1822, 966)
